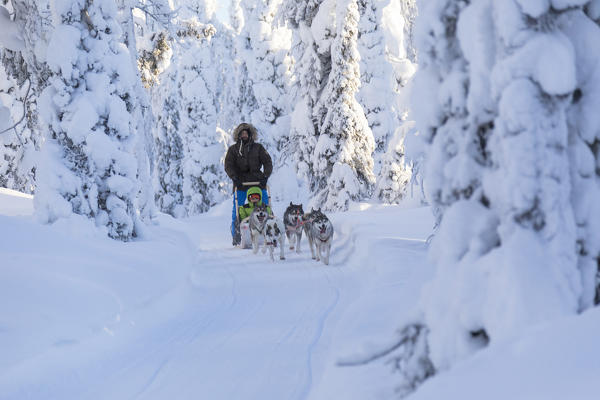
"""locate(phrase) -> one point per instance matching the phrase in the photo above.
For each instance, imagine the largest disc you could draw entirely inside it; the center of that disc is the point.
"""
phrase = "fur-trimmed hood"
(249, 127)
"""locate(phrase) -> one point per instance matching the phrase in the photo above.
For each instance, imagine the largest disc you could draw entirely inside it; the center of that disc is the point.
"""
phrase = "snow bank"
(552, 361)
(13, 203)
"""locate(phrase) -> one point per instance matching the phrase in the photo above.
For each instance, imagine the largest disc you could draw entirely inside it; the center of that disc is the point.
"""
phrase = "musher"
(243, 163)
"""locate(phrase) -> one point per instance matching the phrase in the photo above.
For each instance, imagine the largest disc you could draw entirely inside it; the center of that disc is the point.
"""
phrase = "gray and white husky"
(258, 220)
(319, 232)
(275, 236)
(293, 220)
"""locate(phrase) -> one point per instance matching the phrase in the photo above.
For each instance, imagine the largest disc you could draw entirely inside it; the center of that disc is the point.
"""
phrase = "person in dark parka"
(243, 163)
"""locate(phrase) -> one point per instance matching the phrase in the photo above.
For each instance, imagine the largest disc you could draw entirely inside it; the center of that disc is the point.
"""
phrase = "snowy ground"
(182, 315)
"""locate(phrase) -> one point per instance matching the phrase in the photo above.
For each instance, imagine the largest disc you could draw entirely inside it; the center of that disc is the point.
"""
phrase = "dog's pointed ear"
(291, 204)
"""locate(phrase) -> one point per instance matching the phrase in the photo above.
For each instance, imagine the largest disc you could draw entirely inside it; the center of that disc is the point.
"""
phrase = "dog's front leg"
(327, 251)
(254, 243)
(282, 247)
(271, 252)
(318, 246)
(290, 236)
(298, 240)
(312, 245)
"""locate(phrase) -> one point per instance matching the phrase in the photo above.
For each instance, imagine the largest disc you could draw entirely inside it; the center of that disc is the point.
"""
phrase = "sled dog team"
(249, 166)
(273, 231)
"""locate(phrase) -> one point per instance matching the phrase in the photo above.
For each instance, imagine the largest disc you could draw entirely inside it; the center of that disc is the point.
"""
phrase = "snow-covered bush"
(504, 101)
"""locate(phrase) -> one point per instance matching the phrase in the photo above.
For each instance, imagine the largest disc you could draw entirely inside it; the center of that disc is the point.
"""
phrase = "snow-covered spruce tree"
(584, 144)
(191, 103)
(378, 93)
(154, 58)
(506, 93)
(198, 80)
(17, 123)
(88, 167)
(395, 176)
(169, 147)
(343, 161)
(142, 116)
(309, 81)
(218, 47)
(385, 69)
(264, 71)
(24, 77)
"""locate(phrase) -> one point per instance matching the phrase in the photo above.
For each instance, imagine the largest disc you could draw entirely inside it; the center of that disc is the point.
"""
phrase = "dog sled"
(244, 225)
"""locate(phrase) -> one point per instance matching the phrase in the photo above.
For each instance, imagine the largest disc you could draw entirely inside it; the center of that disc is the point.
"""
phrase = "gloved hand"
(263, 182)
(237, 183)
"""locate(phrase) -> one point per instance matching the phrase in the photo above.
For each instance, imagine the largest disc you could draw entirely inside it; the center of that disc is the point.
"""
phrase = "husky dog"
(308, 223)
(258, 220)
(322, 236)
(293, 220)
(274, 236)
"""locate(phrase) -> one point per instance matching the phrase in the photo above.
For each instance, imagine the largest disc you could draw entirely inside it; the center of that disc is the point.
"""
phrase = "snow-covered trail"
(197, 318)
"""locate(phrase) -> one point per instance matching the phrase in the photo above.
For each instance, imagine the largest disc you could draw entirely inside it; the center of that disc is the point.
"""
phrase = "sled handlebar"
(251, 183)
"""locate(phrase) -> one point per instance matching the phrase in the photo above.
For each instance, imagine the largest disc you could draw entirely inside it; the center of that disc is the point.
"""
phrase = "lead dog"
(293, 220)
(319, 232)
(322, 233)
(258, 220)
(275, 236)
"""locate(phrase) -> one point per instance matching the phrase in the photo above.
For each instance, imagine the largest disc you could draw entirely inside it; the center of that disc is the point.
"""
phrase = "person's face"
(254, 198)
(244, 135)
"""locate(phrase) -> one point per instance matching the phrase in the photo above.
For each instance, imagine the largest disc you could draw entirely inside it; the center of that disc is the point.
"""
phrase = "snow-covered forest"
(117, 141)
(116, 116)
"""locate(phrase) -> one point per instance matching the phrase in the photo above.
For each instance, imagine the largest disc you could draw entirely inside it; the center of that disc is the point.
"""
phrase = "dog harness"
(299, 224)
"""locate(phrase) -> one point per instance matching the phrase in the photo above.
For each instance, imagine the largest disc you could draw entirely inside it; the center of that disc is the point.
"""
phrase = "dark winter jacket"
(243, 162)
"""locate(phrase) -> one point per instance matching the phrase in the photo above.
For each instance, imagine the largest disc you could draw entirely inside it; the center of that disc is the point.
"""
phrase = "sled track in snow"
(317, 336)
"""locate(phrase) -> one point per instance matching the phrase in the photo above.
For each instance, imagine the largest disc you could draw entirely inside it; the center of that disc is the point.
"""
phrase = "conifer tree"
(193, 105)
(18, 119)
(26, 76)
(343, 158)
(264, 71)
(385, 70)
(510, 148)
(88, 167)
(309, 82)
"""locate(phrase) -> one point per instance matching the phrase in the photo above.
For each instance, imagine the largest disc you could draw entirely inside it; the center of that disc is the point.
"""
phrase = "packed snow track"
(182, 314)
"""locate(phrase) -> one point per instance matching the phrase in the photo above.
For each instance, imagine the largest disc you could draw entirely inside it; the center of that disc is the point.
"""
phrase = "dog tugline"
(249, 166)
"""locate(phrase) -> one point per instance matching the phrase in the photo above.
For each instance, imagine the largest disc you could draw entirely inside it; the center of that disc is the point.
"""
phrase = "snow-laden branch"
(10, 37)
